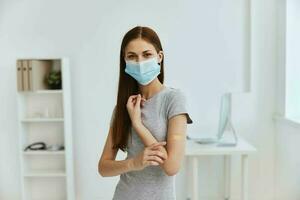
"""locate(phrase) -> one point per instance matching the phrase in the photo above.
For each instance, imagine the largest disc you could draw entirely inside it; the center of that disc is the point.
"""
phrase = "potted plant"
(53, 79)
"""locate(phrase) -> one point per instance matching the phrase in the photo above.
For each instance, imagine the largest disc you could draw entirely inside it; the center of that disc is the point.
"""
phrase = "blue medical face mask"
(145, 71)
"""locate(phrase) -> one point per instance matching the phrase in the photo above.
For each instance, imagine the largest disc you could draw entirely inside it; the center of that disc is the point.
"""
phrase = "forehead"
(138, 46)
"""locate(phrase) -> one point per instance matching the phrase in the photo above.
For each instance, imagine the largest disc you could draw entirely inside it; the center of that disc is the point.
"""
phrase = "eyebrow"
(135, 53)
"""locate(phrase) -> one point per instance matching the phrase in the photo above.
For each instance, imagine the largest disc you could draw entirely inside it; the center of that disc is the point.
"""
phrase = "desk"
(194, 150)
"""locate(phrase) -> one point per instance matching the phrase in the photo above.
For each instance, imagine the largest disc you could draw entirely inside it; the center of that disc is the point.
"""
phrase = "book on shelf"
(25, 75)
(31, 74)
(38, 69)
(19, 76)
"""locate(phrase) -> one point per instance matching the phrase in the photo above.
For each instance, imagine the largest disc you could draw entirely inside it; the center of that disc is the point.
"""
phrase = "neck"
(149, 90)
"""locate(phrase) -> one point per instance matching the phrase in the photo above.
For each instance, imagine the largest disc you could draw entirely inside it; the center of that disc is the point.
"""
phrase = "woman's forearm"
(145, 135)
(170, 165)
(115, 167)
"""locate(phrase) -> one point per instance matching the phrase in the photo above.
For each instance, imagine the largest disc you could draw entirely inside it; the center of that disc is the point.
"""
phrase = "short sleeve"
(177, 104)
(112, 117)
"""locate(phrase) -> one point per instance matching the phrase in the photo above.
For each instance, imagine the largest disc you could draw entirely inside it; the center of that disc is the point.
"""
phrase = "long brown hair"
(128, 86)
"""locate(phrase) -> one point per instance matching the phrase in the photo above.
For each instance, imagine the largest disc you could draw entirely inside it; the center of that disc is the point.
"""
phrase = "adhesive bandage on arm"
(177, 136)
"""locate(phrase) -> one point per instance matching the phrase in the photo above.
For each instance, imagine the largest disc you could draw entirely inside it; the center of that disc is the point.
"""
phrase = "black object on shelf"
(36, 146)
(42, 146)
(55, 147)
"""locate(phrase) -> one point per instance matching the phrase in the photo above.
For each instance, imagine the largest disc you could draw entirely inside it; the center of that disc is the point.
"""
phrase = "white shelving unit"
(44, 115)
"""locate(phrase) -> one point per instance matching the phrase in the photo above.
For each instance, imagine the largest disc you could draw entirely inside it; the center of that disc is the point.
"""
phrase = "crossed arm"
(174, 150)
(175, 147)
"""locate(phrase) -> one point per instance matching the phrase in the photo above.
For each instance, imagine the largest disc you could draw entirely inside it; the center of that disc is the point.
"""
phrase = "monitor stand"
(222, 141)
(225, 141)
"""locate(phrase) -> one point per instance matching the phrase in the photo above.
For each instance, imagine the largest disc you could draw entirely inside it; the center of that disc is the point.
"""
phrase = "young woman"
(148, 122)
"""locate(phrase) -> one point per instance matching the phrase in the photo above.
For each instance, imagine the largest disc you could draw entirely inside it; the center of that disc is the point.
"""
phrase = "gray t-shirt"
(152, 183)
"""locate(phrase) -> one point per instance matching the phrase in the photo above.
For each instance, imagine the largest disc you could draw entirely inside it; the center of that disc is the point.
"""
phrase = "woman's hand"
(149, 156)
(162, 149)
(133, 105)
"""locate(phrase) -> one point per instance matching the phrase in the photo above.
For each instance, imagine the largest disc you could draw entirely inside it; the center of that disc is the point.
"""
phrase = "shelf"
(47, 199)
(43, 152)
(45, 115)
(45, 188)
(45, 173)
(42, 120)
(41, 92)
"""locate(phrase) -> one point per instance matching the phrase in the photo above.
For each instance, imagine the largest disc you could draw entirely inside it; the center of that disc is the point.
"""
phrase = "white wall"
(287, 160)
(287, 130)
(88, 32)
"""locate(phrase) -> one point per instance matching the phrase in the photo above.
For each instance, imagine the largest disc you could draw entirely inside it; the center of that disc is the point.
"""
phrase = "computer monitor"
(225, 114)
(224, 123)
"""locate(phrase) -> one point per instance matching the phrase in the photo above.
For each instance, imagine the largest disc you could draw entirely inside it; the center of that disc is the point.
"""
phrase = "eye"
(148, 54)
(130, 56)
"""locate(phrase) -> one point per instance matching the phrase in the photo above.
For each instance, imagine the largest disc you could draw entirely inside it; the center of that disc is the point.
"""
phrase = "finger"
(149, 148)
(155, 158)
(132, 97)
(156, 147)
(155, 144)
(134, 100)
(143, 100)
(138, 100)
(162, 143)
(152, 163)
(157, 153)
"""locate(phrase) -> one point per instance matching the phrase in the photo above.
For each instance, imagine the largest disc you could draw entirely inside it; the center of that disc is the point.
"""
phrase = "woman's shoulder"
(176, 103)
(174, 93)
